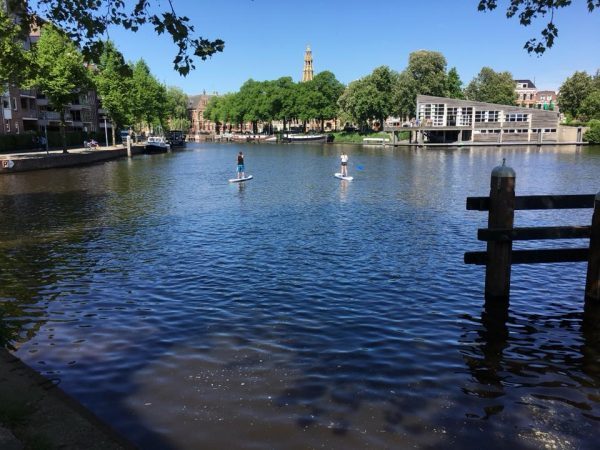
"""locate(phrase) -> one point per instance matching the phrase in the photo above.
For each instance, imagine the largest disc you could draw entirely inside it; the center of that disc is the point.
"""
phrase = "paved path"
(35, 413)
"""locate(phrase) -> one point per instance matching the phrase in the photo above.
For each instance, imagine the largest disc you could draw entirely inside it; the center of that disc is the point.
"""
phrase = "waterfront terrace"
(445, 120)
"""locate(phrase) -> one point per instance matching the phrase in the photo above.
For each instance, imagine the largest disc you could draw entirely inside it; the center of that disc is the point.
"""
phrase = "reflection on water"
(296, 309)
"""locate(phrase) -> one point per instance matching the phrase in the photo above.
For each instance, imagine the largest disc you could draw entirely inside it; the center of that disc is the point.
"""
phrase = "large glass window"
(465, 116)
(487, 116)
(451, 114)
(432, 114)
(517, 117)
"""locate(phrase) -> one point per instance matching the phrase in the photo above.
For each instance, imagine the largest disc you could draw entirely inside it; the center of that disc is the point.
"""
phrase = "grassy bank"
(354, 137)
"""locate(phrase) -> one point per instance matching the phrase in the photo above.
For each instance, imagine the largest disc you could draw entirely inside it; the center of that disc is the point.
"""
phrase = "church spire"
(307, 73)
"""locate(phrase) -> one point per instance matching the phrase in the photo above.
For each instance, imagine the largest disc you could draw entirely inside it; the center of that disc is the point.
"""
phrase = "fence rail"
(500, 234)
(537, 202)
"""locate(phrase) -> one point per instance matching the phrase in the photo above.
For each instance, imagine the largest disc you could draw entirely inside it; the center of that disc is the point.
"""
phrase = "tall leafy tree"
(492, 87)
(573, 92)
(425, 74)
(317, 99)
(307, 102)
(328, 90)
(86, 22)
(284, 100)
(177, 115)
(454, 85)
(254, 100)
(590, 106)
(428, 69)
(58, 71)
(529, 11)
(113, 79)
(212, 111)
(13, 59)
(405, 95)
(147, 97)
(364, 103)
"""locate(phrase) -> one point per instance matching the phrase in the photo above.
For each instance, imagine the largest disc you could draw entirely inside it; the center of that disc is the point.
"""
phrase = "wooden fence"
(500, 234)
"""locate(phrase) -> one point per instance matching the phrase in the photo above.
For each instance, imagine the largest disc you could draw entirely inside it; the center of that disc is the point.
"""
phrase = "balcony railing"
(27, 93)
(54, 116)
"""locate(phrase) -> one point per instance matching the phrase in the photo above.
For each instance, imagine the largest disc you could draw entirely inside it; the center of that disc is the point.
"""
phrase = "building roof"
(529, 83)
(194, 100)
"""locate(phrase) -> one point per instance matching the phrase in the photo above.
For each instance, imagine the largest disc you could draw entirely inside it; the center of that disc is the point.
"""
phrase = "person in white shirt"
(344, 168)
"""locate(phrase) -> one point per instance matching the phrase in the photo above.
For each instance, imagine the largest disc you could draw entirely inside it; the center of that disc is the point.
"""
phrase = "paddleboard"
(237, 180)
(339, 175)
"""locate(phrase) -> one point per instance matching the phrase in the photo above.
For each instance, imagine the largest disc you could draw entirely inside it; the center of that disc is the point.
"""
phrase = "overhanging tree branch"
(529, 10)
(87, 21)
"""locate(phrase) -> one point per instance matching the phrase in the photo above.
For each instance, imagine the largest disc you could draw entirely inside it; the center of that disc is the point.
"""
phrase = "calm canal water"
(297, 311)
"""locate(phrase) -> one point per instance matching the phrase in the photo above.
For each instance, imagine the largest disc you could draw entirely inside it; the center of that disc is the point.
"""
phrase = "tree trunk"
(63, 131)
(322, 125)
(114, 138)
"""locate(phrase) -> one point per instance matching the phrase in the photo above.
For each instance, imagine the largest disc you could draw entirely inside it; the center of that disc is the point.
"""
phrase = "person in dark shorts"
(240, 166)
(344, 165)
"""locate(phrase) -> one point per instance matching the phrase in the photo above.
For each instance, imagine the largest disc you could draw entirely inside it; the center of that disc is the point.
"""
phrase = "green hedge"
(593, 134)
(11, 142)
(355, 137)
(30, 141)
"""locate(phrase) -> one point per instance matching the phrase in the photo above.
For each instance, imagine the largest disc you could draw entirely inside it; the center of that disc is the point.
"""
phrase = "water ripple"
(295, 310)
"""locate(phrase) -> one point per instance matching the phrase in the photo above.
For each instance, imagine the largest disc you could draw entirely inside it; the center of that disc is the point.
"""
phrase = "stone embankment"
(24, 162)
(35, 413)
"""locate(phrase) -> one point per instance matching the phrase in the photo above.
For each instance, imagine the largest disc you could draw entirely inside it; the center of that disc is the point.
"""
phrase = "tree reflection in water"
(35, 242)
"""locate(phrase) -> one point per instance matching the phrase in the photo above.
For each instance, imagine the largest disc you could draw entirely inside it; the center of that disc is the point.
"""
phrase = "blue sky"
(265, 39)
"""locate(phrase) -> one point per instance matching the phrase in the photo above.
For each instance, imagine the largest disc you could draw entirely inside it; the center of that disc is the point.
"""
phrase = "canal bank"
(36, 413)
(25, 162)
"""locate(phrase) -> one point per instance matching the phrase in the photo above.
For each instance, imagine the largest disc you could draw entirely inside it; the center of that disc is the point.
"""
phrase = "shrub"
(593, 134)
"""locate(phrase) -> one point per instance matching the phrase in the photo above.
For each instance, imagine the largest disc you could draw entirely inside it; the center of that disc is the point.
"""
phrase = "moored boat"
(249, 137)
(304, 138)
(156, 144)
(176, 138)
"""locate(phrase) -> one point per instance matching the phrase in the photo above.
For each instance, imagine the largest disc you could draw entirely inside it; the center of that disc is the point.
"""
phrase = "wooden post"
(129, 146)
(592, 285)
(501, 215)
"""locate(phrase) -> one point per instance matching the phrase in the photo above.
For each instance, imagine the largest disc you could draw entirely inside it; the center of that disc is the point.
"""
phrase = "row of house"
(529, 96)
(28, 110)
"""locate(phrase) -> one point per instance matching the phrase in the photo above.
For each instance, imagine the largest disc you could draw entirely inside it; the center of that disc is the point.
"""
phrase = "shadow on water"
(42, 245)
(523, 370)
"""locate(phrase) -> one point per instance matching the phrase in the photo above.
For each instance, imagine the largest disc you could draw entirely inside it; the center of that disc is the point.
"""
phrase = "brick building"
(547, 100)
(28, 110)
(526, 92)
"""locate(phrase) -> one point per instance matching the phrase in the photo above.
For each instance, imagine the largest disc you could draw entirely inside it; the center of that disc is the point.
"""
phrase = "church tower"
(307, 73)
